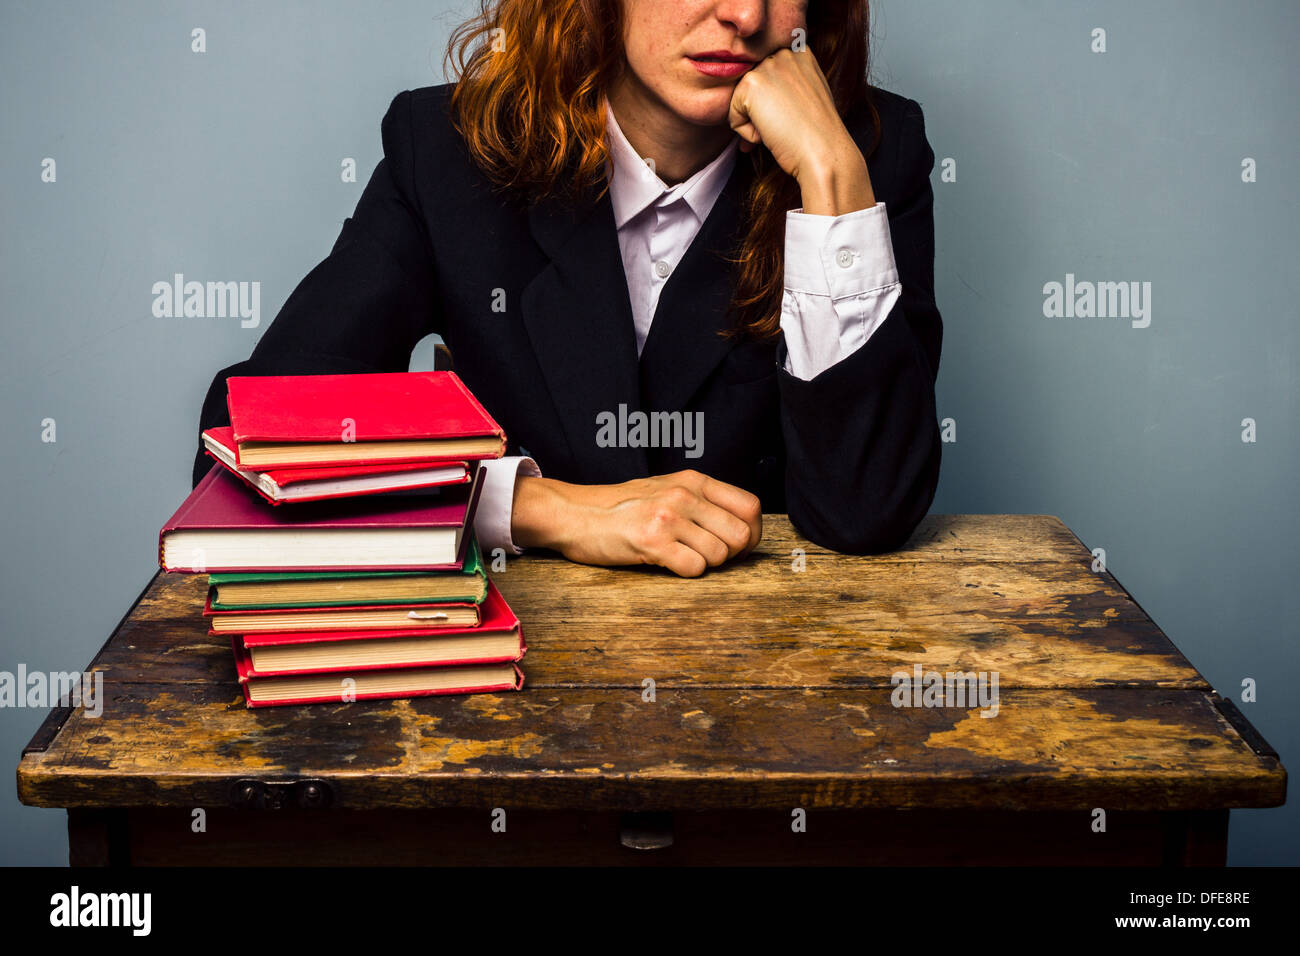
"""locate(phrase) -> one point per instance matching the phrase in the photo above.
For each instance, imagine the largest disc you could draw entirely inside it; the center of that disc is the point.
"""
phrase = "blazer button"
(767, 463)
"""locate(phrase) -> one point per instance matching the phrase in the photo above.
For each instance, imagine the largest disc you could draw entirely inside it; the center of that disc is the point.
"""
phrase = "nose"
(747, 16)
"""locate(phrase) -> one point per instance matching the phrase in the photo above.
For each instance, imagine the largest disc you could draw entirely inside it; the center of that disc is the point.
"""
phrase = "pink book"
(225, 526)
(278, 485)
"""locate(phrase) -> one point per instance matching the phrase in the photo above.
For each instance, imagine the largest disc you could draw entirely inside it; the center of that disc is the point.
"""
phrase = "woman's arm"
(862, 438)
(686, 522)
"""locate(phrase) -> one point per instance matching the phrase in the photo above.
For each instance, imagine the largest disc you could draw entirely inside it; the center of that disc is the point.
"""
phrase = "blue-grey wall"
(1123, 165)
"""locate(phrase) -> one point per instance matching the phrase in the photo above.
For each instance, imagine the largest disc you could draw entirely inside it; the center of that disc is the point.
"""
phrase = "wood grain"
(842, 621)
(772, 691)
(186, 745)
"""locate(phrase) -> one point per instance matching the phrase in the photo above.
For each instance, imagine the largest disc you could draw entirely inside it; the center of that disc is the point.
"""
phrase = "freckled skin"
(680, 110)
(658, 35)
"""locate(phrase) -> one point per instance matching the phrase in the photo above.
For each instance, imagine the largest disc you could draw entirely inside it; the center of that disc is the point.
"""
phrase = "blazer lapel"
(579, 320)
(683, 346)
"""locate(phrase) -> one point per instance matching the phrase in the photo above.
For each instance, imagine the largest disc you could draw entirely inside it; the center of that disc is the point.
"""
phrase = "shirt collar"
(634, 187)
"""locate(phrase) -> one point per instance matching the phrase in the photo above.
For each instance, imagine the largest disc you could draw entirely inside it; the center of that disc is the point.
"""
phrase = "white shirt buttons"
(844, 258)
(662, 269)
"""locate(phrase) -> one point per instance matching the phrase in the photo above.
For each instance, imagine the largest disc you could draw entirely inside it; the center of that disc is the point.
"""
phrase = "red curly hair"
(531, 111)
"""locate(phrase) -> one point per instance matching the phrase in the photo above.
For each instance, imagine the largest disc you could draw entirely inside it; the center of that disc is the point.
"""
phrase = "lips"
(721, 63)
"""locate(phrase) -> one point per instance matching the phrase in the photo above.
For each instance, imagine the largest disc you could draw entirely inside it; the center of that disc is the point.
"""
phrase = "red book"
(336, 481)
(297, 420)
(223, 526)
(349, 686)
(497, 639)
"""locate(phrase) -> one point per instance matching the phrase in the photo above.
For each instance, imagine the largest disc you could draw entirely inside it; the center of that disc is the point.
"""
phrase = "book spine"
(177, 519)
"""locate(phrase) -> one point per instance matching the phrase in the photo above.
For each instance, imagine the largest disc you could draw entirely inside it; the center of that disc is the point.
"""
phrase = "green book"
(232, 591)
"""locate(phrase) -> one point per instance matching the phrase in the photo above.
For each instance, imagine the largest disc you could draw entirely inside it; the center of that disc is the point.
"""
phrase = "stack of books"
(370, 584)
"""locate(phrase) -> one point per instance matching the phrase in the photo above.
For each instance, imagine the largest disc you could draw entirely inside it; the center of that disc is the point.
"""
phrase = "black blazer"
(852, 455)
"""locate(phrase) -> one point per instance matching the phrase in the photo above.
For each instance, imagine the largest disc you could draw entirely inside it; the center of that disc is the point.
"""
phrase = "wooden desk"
(772, 693)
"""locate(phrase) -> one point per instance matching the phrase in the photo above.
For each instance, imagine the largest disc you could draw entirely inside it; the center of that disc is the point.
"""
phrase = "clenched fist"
(686, 521)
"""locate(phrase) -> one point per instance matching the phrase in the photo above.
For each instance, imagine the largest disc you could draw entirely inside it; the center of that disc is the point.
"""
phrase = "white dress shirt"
(840, 284)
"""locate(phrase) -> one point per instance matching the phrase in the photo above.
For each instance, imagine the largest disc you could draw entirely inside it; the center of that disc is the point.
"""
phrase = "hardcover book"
(347, 687)
(336, 481)
(289, 589)
(223, 526)
(348, 618)
(498, 638)
(297, 420)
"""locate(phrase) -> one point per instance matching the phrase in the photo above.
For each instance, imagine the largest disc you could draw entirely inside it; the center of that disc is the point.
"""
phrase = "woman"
(664, 207)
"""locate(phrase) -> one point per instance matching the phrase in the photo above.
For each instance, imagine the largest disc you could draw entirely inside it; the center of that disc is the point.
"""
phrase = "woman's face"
(690, 54)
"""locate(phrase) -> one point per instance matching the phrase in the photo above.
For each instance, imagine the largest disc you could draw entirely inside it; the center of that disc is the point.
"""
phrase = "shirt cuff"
(496, 502)
(841, 282)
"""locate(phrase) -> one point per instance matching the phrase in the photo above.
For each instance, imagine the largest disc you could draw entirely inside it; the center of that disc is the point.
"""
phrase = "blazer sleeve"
(862, 437)
(368, 303)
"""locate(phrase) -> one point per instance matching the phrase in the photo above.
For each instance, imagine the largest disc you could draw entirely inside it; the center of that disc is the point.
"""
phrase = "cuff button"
(844, 258)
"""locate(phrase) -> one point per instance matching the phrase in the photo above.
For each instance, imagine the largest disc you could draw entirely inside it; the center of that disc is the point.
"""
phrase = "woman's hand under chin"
(785, 104)
(686, 522)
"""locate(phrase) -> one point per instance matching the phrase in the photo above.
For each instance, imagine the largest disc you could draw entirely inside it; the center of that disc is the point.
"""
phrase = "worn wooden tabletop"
(772, 688)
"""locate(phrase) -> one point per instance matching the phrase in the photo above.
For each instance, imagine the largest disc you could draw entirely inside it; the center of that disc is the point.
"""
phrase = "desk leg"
(98, 838)
(1196, 838)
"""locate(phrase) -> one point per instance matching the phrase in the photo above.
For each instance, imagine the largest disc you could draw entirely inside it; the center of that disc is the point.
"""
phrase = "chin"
(707, 107)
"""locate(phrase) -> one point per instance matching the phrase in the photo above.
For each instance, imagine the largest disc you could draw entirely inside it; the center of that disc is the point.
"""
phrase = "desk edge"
(58, 716)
